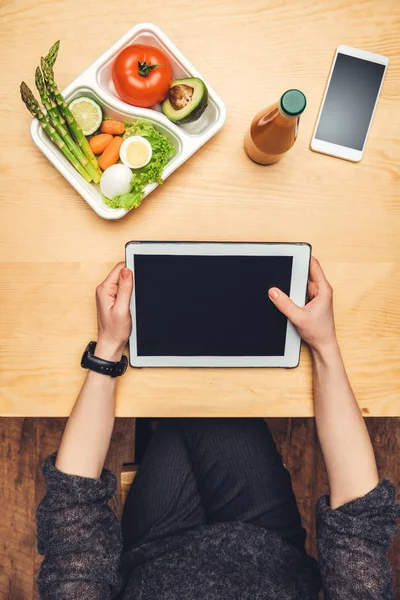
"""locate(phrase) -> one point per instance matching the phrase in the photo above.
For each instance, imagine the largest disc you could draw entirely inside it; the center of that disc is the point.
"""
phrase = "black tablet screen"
(210, 305)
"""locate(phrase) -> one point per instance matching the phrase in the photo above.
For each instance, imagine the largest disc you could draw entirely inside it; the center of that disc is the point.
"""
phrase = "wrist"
(325, 352)
(109, 350)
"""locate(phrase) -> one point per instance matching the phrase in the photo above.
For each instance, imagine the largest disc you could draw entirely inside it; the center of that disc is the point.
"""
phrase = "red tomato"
(142, 75)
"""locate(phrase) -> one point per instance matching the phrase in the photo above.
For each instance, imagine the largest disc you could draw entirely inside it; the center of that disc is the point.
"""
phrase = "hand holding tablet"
(314, 321)
(207, 305)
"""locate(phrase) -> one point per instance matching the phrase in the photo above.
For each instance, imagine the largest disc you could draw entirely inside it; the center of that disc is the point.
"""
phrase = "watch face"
(124, 361)
(99, 365)
(91, 347)
(88, 351)
(84, 359)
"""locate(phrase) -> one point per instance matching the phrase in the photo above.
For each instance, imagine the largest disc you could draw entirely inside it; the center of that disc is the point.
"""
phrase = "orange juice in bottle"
(273, 130)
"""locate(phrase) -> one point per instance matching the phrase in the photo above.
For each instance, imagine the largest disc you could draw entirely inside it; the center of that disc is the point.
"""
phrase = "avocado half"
(186, 101)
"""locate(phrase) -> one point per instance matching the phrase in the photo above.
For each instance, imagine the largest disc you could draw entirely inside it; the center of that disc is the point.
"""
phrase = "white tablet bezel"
(324, 147)
(301, 254)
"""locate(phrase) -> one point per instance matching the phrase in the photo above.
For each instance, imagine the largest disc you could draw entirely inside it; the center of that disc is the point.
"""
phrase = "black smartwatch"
(99, 365)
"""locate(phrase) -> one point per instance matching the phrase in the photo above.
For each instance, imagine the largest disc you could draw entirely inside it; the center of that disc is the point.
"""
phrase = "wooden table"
(55, 249)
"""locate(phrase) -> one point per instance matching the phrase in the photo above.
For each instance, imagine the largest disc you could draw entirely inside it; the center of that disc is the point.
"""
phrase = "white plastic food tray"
(96, 82)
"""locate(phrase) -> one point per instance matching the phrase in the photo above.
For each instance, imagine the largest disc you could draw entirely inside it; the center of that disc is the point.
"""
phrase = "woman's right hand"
(314, 321)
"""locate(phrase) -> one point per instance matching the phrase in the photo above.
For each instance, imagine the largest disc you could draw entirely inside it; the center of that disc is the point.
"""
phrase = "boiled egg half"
(135, 152)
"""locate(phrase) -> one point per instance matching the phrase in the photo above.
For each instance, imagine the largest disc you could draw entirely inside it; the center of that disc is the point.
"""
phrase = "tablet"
(206, 304)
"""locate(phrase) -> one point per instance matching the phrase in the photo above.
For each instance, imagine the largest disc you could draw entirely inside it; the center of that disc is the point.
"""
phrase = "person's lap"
(198, 471)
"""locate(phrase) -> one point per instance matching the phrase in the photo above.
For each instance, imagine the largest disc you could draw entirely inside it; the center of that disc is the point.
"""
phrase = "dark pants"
(202, 471)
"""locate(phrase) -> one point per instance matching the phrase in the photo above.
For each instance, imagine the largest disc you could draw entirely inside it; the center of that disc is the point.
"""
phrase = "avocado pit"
(186, 101)
(180, 95)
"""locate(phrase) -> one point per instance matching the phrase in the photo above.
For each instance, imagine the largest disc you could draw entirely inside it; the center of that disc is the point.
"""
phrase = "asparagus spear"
(69, 117)
(50, 60)
(61, 129)
(33, 106)
(52, 54)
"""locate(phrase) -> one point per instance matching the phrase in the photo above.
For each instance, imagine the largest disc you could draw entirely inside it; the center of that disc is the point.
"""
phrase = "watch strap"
(100, 365)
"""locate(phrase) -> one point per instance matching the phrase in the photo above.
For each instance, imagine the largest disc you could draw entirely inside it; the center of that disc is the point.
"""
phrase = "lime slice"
(88, 114)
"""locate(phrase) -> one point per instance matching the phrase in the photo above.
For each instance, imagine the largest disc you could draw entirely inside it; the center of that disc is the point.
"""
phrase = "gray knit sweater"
(81, 540)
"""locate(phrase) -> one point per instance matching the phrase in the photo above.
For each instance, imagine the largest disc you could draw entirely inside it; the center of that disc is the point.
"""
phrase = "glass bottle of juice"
(273, 130)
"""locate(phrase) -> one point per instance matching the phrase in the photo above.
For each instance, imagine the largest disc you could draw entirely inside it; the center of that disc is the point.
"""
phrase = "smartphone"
(349, 103)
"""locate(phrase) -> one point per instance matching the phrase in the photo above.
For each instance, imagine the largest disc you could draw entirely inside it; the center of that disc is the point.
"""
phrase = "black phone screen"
(350, 101)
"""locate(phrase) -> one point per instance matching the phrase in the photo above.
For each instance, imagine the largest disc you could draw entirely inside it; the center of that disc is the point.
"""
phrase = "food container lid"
(293, 102)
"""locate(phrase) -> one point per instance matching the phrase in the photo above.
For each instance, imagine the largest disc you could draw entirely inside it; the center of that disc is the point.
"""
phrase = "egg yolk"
(137, 153)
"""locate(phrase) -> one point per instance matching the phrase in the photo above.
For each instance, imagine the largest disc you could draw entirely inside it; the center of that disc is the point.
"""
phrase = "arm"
(356, 524)
(343, 436)
(86, 439)
(77, 532)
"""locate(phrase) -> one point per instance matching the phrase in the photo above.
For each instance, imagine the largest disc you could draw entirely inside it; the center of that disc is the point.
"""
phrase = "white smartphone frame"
(335, 149)
(301, 253)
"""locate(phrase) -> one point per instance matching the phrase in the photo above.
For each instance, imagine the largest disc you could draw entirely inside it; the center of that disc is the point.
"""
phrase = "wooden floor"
(24, 443)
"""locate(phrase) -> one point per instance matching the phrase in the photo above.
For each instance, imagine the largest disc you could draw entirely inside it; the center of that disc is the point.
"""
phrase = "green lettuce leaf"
(152, 172)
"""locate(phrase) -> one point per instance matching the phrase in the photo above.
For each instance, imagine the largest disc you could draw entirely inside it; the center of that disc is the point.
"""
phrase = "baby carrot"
(99, 143)
(110, 155)
(113, 127)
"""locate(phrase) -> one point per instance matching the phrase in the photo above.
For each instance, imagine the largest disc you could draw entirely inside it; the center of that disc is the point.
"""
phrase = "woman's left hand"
(113, 313)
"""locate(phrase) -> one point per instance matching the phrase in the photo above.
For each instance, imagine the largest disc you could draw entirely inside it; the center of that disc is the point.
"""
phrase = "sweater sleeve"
(352, 545)
(79, 535)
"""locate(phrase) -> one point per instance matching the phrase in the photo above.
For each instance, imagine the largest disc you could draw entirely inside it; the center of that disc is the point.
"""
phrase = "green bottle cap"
(293, 102)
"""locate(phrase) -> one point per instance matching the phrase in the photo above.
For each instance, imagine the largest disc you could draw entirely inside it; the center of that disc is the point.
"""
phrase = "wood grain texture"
(17, 508)
(55, 249)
